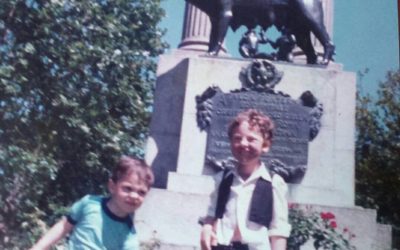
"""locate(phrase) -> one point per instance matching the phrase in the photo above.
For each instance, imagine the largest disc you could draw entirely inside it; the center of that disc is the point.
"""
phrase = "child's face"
(127, 194)
(248, 144)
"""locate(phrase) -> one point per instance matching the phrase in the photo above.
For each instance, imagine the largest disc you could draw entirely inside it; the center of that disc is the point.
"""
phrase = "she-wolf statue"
(299, 17)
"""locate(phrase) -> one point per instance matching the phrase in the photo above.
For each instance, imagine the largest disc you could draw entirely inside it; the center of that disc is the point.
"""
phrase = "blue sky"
(365, 34)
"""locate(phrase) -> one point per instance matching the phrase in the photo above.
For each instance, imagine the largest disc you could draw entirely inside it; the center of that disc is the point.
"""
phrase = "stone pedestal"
(172, 218)
(176, 148)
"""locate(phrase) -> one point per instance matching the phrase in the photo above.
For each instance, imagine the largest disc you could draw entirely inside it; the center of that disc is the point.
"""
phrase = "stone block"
(172, 218)
(176, 150)
(179, 145)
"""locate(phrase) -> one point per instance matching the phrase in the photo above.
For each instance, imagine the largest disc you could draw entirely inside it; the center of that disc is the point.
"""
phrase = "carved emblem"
(261, 75)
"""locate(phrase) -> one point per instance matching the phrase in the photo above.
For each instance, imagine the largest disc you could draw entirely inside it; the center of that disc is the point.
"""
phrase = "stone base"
(178, 145)
(172, 218)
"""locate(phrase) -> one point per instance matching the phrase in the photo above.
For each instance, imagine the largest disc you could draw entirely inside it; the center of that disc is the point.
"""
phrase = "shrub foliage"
(378, 152)
(76, 82)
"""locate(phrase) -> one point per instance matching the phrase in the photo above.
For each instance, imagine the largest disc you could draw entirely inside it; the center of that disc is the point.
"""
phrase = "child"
(105, 222)
(249, 209)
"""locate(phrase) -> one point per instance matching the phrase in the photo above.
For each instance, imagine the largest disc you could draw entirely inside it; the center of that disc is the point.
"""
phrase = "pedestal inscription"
(290, 141)
(296, 123)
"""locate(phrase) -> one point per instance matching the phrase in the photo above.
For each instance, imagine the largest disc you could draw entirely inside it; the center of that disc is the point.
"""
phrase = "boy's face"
(247, 145)
(127, 194)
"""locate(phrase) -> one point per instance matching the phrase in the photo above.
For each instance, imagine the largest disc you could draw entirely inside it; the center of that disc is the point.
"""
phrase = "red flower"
(333, 224)
(327, 216)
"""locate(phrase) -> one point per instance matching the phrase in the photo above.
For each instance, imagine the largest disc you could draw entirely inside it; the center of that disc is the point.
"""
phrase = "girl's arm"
(57, 232)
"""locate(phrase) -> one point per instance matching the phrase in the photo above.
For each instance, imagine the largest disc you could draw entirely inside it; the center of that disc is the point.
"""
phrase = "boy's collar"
(127, 219)
(260, 172)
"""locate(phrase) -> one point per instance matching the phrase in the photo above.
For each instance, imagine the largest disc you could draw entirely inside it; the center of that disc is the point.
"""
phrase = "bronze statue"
(297, 17)
(248, 45)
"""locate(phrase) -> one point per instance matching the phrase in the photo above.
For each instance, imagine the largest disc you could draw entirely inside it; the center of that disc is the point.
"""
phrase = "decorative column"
(196, 30)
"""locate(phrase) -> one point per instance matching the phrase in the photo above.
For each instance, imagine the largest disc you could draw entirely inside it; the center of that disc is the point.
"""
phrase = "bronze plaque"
(291, 135)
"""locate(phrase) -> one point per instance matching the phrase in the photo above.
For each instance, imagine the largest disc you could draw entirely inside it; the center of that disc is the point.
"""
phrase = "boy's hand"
(208, 237)
(278, 243)
(57, 232)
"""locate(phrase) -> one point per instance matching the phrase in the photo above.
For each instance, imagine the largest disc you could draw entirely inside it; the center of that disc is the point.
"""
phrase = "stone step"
(171, 218)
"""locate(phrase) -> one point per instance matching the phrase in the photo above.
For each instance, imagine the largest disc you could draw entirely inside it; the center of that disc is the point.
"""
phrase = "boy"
(249, 209)
(105, 222)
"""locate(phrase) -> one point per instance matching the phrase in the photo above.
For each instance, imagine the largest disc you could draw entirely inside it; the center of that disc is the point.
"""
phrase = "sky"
(365, 34)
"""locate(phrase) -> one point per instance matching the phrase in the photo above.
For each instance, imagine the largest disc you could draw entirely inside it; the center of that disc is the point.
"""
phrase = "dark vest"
(261, 201)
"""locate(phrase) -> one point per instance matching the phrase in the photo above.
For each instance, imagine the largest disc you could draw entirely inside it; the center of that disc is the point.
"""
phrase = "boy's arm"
(280, 228)
(208, 237)
(278, 243)
(57, 232)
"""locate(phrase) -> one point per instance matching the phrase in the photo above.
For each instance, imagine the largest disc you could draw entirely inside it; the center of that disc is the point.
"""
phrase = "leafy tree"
(378, 151)
(76, 81)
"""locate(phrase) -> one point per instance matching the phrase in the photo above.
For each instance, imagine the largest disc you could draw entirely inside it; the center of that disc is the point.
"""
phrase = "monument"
(195, 96)
(296, 17)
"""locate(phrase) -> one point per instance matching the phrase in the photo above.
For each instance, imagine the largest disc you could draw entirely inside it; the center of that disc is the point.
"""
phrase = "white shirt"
(238, 206)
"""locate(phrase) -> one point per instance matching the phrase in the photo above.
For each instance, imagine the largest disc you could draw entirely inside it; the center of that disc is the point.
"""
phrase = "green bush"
(320, 228)
(76, 84)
